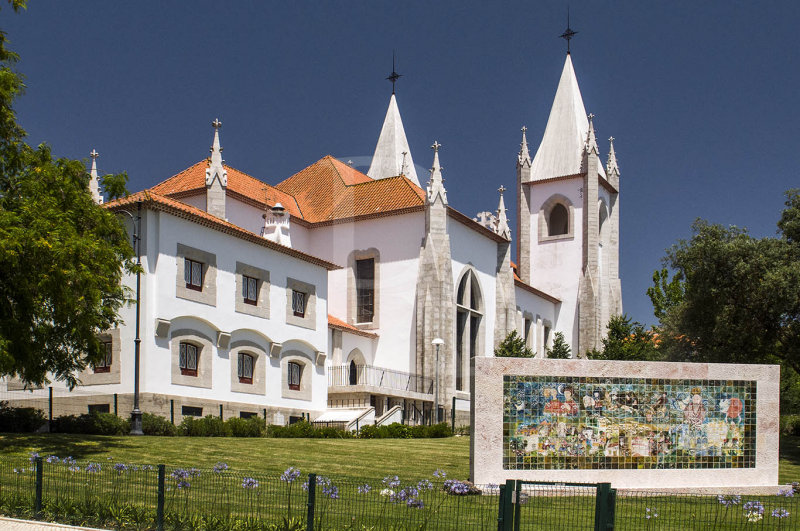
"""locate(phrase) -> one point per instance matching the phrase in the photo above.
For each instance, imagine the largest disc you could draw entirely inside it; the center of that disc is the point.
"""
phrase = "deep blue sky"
(702, 97)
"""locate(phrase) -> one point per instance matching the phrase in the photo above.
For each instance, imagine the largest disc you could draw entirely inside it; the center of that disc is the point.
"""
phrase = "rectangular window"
(294, 376)
(365, 290)
(250, 290)
(245, 368)
(247, 415)
(104, 365)
(99, 408)
(298, 303)
(191, 411)
(193, 274)
(527, 332)
(187, 359)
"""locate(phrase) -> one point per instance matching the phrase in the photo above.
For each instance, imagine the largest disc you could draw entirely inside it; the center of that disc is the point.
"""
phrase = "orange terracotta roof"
(329, 190)
(192, 181)
(338, 324)
(156, 201)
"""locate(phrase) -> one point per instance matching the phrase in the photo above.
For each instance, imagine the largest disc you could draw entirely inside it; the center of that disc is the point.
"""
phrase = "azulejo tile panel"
(562, 423)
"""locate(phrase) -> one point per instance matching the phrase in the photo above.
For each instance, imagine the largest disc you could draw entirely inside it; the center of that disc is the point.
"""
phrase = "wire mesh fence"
(555, 505)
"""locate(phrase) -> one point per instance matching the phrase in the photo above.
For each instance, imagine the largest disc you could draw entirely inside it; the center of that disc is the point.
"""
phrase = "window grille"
(245, 369)
(299, 303)
(294, 375)
(193, 274)
(104, 365)
(250, 290)
(365, 290)
(187, 359)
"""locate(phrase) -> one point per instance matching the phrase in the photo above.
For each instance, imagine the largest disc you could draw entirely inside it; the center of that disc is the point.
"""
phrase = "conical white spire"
(436, 183)
(392, 155)
(94, 183)
(561, 150)
(611, 165)
(524, 157)
(502, 227)
(216, 170)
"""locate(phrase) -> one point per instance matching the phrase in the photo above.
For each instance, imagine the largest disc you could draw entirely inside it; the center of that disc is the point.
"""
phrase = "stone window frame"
(470, 275)
(352, 299)
(89, 377)
(260, 362)
(306, 375)
(309, 319)
(208, 293)
(544, 218)
(261, 308)
(205, 350)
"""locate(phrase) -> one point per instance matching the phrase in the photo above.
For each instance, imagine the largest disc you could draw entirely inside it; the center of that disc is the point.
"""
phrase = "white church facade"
(321, 296)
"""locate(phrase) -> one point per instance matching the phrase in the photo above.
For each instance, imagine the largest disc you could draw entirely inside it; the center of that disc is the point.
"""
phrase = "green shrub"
(438, 431)
(401, 431)
(157, 425)
(790, 424)
(20, 419)
(297, 430)
(91, 424)
(209, 426)
(250, 427)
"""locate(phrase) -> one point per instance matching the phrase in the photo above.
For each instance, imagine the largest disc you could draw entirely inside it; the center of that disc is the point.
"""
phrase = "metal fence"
(127, 496)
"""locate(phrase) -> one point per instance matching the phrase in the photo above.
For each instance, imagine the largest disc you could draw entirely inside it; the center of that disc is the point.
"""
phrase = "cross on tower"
(94, 154)
(435, 147)
(611, 139)
(501, 189)
(590, 116)
(216, 124)
(568, 33)
(394, 76)
(524, 129)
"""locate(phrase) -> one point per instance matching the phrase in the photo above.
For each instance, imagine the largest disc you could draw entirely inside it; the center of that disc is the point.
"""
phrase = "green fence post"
(312, 494)
(160, 506)
(508, 517)
(115, 403)
(612, 509)
(50, 410)
(39, 478)
(501, 509)
(172, 411)
(517, 504)
(453, 416)
(602, 519)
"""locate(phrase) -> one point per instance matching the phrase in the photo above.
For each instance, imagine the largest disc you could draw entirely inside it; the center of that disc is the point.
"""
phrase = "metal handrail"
(340, 375)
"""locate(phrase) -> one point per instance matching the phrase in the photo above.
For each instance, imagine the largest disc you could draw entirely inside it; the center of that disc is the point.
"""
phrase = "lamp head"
(438, 341)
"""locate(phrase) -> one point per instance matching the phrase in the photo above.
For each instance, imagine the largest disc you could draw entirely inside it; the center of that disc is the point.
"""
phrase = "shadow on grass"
(790, 458)
(60, 444)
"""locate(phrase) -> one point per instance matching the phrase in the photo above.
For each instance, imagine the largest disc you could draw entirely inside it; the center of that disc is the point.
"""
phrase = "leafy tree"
(561, 349)
(628, 341)
(61, 256)
(513, 346)
(665, 293)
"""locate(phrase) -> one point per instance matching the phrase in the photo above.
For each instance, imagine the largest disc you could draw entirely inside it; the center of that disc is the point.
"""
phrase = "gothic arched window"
(558, 222)
(469, 316)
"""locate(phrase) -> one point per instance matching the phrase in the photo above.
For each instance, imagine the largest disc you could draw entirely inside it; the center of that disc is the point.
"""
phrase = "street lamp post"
(136, 414)
(436, 343)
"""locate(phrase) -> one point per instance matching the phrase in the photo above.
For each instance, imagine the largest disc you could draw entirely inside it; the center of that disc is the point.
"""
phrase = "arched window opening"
(353, 376)
(603, 216)
(558, 223)
(246, 363)
(294, 375)
(469, 315)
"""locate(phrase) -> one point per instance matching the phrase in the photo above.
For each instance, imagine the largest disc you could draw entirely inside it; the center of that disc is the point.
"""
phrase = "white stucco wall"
(541, 312)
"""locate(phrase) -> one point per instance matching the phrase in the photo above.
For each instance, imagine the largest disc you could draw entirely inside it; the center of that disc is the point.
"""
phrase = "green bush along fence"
(125, 496)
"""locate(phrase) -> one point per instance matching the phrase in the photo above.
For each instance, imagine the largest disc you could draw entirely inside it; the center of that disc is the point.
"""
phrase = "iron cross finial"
(394, 76)
(524, 129)
(94, 154)
(216, 124)
(435, 147)
(590, 116)
(568, 33)
(501, 189)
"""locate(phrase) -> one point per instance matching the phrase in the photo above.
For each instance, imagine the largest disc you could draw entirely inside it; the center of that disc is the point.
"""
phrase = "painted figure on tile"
(731, 407)
(695, 412)
(568, 407)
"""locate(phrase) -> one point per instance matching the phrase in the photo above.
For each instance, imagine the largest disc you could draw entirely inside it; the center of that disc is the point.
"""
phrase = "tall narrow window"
(245, 368)
(187, 359)
(469, 316)
(193, 274)
(365, 290)
(104, 365)
(250, 290)
(527, 332)
(295, 372)
(558, 223)
(298, 303)
(353, 376)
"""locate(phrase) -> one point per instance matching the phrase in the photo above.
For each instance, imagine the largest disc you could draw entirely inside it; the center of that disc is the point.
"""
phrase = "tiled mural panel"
(627, 423)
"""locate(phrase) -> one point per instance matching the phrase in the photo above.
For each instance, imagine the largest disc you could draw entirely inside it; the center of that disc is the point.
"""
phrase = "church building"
(345, 297)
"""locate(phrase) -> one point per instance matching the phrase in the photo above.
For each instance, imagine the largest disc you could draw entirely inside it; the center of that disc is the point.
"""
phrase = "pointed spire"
(524, 156)
(216, 170)
(392, 155)
(94, 183)
(436, 183)
(611, 165)
(561, 150)
(591, 140)
(501, 226)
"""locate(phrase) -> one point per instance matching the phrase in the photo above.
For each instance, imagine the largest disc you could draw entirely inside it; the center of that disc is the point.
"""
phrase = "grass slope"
(357, 458)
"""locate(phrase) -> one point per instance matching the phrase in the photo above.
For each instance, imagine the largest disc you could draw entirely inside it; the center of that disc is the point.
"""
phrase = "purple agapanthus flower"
(290, 474)
(754, 506)
(780, 513)
(729, 501)
(52, 459)
(439, 473)
(93, 467)
(364, 489)
(249, 483)
(34, 456)
(789, 493)
(415, 503)
(120, 468)
(219, 468)
(391, 481)
(453, 486)
(424, 485)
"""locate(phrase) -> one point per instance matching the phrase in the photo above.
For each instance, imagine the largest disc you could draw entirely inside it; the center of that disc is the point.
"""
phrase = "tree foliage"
(740, 300)
(561, 349)
(513, 346)
(61, 256)
(628, 341)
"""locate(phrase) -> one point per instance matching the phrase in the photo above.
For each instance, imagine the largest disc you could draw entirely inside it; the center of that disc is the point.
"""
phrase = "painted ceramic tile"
(627, 423)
